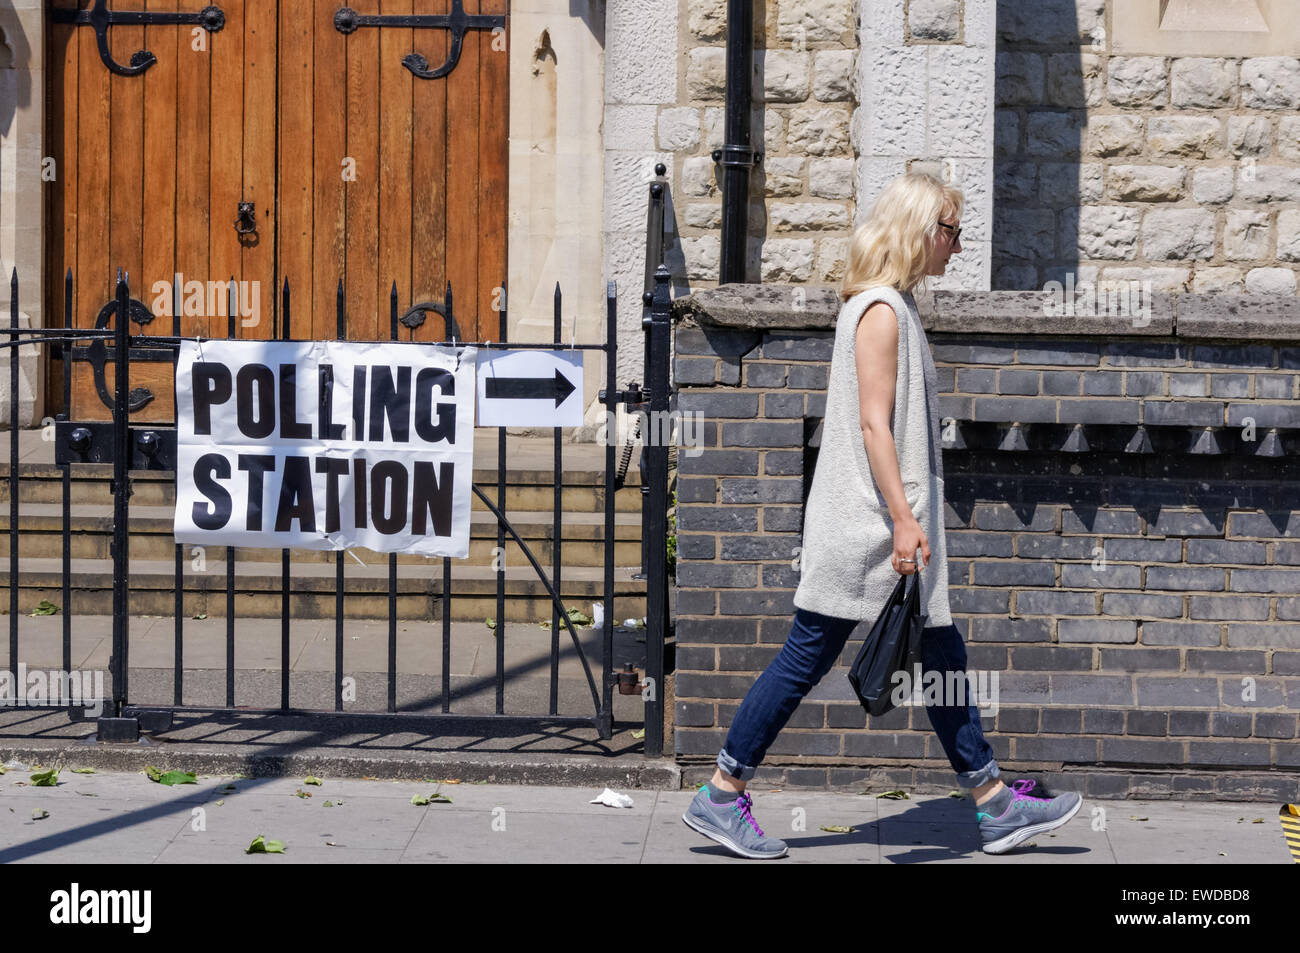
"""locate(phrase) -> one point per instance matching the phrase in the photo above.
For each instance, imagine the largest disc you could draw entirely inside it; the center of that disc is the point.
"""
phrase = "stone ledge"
(815, 308)
(762, 307)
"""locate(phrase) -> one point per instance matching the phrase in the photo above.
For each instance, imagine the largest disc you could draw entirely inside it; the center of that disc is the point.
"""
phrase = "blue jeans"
(814, 644)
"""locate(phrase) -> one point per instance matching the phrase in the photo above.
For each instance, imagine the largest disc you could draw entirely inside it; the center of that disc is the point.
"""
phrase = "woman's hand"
(908, 538)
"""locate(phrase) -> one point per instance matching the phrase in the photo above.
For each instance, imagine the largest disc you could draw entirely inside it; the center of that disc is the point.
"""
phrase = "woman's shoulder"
(869, 296)
(860, 303)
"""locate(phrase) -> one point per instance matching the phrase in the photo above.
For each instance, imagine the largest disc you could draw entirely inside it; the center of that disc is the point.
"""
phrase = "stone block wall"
(1183, 170)
(802, 190)
(1123, 529)
(926, 88)
(847, 95)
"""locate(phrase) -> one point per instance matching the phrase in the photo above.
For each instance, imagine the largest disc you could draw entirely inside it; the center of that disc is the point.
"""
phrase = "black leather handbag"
(892, 645)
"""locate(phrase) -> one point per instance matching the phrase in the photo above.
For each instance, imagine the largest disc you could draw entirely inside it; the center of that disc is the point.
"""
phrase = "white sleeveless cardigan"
(848, 535)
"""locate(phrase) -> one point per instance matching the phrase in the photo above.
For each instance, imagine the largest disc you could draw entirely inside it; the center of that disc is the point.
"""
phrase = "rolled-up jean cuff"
(733, 768)
(973, 779)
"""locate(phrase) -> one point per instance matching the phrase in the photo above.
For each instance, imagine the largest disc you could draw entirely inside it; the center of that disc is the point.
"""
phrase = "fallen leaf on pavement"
(169, 777)
(261, 845)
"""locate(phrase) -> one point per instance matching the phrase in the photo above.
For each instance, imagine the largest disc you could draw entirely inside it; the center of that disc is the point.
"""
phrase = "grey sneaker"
(1025, 817)
(731, 825)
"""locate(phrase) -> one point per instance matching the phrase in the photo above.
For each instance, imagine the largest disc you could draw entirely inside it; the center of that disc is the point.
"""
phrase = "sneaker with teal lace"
(732, 825)
(1025, 817)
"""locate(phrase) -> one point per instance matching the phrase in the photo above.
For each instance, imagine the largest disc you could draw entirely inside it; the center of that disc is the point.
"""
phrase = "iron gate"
(133, 447)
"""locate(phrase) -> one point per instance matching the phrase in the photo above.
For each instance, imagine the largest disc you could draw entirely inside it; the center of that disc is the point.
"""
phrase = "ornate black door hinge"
(416, 315)
(458, 21)
(97, 355)
(211, 18)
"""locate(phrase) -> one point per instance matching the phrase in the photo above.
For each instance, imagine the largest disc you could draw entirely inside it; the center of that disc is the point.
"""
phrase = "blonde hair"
(890, 247)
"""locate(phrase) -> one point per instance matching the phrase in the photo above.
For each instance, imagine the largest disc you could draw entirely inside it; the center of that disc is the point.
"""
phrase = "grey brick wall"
(1134, 581)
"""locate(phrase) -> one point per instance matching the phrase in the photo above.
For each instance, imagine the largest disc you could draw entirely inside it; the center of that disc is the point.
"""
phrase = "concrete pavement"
(118, 817)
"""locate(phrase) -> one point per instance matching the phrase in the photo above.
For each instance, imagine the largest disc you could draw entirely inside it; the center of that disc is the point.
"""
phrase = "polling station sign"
(325, 445)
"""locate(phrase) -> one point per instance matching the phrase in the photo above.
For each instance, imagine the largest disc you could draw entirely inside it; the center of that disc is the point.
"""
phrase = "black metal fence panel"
(132, 447)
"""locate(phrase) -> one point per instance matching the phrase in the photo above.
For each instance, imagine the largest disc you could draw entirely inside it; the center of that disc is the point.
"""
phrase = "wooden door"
(354, 168)
(386, 177)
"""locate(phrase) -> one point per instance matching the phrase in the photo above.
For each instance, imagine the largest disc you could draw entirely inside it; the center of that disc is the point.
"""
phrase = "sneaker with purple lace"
(732, 825)
(1025, 817)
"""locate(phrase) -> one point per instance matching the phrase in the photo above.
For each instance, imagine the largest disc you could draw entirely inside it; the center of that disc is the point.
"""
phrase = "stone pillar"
(556, 201)
(641, 47)
(22, 102)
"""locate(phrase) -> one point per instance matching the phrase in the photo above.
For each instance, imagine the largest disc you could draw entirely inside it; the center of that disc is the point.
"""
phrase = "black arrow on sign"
(530, 388)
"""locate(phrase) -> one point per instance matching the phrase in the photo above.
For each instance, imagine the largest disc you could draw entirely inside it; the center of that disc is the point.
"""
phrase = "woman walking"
(875, 502)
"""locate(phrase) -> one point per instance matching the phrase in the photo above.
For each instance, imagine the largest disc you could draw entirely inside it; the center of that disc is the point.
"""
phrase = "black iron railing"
(150, 447)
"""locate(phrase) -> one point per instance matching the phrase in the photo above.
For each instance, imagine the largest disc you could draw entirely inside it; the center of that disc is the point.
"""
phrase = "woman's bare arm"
(876, 350)
(877, 361)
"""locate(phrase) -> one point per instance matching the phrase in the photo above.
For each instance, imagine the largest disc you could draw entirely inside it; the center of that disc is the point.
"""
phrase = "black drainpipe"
(736, 157)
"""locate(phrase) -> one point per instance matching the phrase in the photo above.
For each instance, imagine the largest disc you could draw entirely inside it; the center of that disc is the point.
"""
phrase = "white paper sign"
(325, 445)
(530, 388)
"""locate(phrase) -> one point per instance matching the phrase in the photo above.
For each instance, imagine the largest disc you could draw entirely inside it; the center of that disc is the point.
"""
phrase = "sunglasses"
(956, 232)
